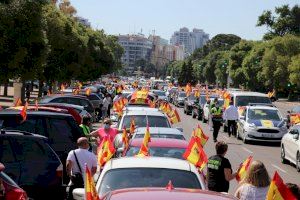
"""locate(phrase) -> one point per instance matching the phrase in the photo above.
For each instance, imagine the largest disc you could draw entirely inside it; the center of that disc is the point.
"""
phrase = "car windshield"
(147, 177)
(245, 100)
(162, 135)
(141, 121)
(263, 114)
(160, 93)
(182, 94)
(159, 152)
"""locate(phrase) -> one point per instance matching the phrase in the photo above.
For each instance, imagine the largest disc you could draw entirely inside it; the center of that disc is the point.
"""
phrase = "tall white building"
(190, 40)
(136, 47)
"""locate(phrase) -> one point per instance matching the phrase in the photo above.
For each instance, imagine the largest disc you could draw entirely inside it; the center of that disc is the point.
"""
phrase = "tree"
(294, 69)
(209, 69)
(285, 21)
(223, 42)
(186, 74)
(221, 71)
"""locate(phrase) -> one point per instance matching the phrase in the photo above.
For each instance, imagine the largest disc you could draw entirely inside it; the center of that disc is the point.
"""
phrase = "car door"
(241, 122)
(8, 158)
(292, 144)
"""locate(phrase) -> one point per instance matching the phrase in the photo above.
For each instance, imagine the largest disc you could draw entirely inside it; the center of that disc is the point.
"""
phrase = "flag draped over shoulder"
(198, 133)
(195, 153)
(278, 190)
(105, 151)
(90, 189)
(244, 169)
(144, 150)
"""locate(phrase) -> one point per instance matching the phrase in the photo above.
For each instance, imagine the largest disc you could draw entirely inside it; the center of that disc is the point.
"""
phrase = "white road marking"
(247, 150)
(275, 166)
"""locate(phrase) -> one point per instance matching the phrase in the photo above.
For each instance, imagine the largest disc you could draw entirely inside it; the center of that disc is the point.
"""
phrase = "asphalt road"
(238, 151)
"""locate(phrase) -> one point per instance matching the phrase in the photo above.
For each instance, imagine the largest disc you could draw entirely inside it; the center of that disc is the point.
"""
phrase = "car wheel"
(298, 162)
(193, 114)
(282, 155)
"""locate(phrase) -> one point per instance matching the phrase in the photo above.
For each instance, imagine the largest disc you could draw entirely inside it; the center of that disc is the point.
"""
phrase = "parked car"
(293, 112)
(134, 172)
(96, 100)
(261, 123)
(197, 111)
(161, 95)
(71, 99)
(179, 99)
(11, 189)
(290, 147)
(31, 163)
(165, 194)
(189, 103)
(158, 132)
(171, 94)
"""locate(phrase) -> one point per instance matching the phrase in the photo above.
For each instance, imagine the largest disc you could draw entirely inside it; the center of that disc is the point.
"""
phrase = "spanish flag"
(197, 93)
(125, 139)
(188, 89)
(132, 126)
(174, 117)
(278, 190)
(105, 151)
(226, 97)
(198, 133)
(295, 119)
(18, 103)
(119, 89)
(144, 150)
(90, 189)
(244, 169)
(88, 91)
(23, 112)
(195, 153)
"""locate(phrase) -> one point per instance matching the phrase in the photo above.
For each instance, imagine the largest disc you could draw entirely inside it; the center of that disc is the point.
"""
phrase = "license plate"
(267, 135)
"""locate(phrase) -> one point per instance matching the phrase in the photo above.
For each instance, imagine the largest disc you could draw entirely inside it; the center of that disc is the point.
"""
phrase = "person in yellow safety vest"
(217, 120)
(212, 104)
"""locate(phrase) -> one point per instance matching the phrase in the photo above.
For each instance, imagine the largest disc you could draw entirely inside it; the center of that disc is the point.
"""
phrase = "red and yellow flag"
(188, 89)
(36, 105)
(62, 87)
(90, 189)
(105, 151)
(227, 98)
(295, 118)
(244, 169)
(197, 93)
(144, 150)
(18, 103)
(23, 112)
(195, 153)
(198, 133)
(174, 116)
(125, 138)
(88, 91)
(278, 190)
(132, 126)
(119, 89)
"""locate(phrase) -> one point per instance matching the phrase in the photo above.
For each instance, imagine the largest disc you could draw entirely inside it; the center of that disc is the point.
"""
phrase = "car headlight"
(252, 126)
(282, 124)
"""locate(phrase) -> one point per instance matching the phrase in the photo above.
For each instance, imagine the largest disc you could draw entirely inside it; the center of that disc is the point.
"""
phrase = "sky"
(237, 17)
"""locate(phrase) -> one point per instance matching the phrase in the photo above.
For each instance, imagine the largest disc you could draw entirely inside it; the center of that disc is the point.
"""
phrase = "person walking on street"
(216, 114)
(212, 104)
(76, 162)
(231, 115)
(219, 171)
(256, 183)
(110, 102)
(106, 130)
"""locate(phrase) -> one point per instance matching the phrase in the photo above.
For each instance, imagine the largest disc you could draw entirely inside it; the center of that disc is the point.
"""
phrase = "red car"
(9, 190)
(165, 194)
(159, 147)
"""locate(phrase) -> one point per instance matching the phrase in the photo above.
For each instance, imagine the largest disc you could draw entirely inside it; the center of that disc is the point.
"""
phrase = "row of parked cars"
(129, 177)
(34, 151)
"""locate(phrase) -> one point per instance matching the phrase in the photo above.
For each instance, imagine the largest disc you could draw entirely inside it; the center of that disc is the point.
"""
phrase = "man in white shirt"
(231, 114)
(77, 160)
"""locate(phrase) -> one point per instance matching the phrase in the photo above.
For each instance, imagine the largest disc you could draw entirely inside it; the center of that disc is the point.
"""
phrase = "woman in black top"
(219, 171)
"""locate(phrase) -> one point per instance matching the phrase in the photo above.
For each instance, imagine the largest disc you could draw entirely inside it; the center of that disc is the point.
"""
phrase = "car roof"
(140, 108)
(247, 93)
(149, 162)
(160, 142)
(144, 112)
(157, 130)
(21, 133)
(166, 194)
(55, 96)
(63, 105)
(263, 107)
(33, 112)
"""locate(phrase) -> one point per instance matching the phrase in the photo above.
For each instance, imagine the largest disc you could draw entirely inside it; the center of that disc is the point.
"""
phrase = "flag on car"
(198, 132)
(144, 150)
(241, 174)
(125, 139)
(174, 117)
(105, 151)
(226, 97)
(119, 89)
(18, 102)
(23, 112)
(132, 126)
(295, 119)
(188, 89)
(90, 189)
(88, 92)
(197, 93)
(278, 190)
(36, 105)
(195, 153)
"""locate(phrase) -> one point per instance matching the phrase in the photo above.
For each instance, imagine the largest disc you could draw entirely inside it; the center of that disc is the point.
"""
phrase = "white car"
(135, 172)
(161, 95)
(290, 147)
(206, 108)
(261, 123)
(142, 117)
(157, 132)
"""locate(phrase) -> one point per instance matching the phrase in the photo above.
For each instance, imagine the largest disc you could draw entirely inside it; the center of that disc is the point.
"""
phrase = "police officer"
(216, 113)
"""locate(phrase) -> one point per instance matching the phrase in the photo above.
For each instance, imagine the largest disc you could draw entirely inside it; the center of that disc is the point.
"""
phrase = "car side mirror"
(296, 136)
(180, 129)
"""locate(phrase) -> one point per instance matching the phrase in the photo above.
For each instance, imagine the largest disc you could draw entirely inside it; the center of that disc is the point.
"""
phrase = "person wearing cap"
(105, 131)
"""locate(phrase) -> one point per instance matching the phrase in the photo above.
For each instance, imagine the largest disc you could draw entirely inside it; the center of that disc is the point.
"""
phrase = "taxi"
(261, 122)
